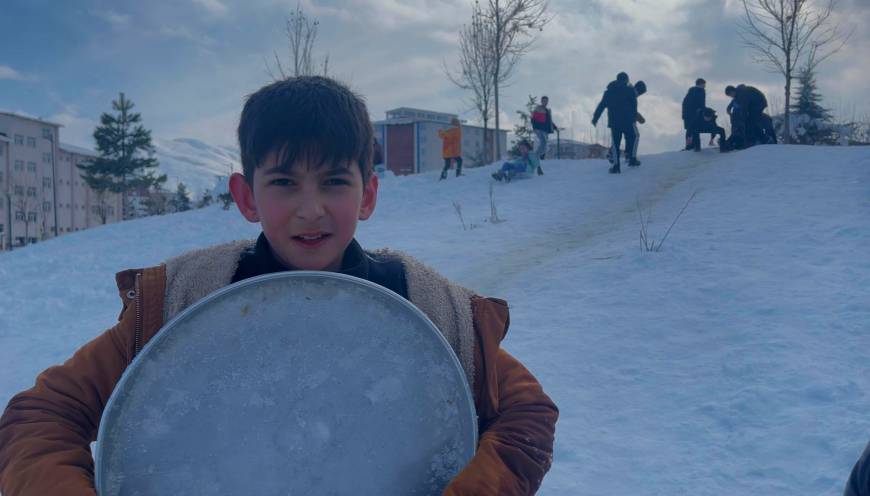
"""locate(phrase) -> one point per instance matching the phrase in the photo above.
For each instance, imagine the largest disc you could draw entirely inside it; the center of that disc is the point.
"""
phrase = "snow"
(733, 361)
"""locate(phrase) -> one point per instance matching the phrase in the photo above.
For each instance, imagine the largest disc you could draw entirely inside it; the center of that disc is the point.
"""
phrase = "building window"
(31, 216)
(31, 191)
(19, 140)
(31, 166)
(19, 215)
(19, 190)
(46, 133)
(46, 183)
(19, 165)
(46, 206)
(46, 158)
(31, 142)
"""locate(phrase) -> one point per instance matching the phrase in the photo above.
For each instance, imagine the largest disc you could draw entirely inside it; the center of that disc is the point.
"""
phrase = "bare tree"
(26, 203)
(513, 23)
(102, 206)
(301, 32)
(477, 68)
(784, 32)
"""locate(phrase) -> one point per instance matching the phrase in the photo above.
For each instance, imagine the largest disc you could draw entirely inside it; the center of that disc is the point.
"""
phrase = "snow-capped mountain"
(197, 164)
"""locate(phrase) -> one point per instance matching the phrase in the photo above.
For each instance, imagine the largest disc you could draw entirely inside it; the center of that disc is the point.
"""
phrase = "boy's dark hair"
(700, 81)
(310, 117)
(730, 89)
(622, 77)
(525, 143)
(640, 88)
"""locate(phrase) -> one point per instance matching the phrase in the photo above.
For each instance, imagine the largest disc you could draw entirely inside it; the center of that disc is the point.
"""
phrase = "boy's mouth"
(311, 240)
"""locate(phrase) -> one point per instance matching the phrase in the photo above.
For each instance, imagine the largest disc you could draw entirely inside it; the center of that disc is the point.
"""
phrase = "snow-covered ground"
(733, 361)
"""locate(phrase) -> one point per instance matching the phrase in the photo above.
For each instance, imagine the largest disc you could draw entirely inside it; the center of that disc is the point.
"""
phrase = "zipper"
(137, 335)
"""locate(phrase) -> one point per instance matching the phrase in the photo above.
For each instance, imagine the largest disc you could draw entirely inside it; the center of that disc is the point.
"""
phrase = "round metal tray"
(290, 383)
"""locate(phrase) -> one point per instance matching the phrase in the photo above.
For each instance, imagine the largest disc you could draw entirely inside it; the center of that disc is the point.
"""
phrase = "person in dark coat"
(620, 100)
(694, 101)
(639, 89)
(705, 122)
(859, 480)
(749, 104)
(378, 158)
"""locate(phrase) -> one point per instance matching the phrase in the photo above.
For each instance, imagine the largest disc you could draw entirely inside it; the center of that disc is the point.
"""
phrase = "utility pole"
(50, 138)
(8, 220)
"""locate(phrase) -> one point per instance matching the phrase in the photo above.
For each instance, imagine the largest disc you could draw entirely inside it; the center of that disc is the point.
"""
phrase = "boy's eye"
(281, 181)
(336, 181)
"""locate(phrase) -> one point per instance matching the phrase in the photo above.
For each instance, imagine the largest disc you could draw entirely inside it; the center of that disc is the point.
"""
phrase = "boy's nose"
(311, 207)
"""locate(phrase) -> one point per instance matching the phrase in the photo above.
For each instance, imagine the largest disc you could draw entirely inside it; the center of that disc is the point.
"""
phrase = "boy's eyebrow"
(278, 169)
(338, 170)
(332, 170)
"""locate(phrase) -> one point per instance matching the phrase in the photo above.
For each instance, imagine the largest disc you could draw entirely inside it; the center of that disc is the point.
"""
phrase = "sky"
(189, 64)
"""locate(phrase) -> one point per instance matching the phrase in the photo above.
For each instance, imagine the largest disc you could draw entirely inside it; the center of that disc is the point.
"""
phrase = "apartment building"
(410, 142)
(5, 205)
(41, 193)
(78, 206)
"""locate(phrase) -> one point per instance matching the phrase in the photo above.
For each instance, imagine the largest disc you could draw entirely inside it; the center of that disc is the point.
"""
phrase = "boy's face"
(309, 213)
(524, 150)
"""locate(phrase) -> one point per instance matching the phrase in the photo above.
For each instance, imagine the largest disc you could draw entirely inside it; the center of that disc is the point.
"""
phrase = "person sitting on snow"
(705, 122)
(522, 166)
(751, 103)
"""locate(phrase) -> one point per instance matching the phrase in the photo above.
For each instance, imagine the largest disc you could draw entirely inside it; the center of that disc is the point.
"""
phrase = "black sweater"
(356, 262)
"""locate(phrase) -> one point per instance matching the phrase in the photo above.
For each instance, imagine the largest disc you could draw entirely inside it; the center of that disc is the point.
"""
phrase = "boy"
(306, 146)
(543, 125)
(694, 101)
(451, 147)
(526, 163)
(705, 122)
(620, 100)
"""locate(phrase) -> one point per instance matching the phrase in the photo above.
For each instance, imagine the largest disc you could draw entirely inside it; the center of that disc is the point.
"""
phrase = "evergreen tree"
(811, 123)
(808, 98)
(180, 202)
(126, 159)
(523, 130)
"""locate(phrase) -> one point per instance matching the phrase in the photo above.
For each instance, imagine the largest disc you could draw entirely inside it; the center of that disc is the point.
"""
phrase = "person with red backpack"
(542, 124)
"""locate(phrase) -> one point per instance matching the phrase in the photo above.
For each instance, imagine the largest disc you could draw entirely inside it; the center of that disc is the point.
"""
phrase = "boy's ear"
(243, 195)
(370, 198)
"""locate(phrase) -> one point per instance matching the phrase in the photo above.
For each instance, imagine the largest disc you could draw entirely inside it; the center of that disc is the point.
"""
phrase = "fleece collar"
(196, 274)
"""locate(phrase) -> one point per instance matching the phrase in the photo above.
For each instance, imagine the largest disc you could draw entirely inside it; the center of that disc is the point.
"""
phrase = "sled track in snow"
(648, 185)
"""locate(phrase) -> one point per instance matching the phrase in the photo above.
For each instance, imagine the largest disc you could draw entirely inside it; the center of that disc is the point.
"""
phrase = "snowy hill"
(733, 361)
(195, 163)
